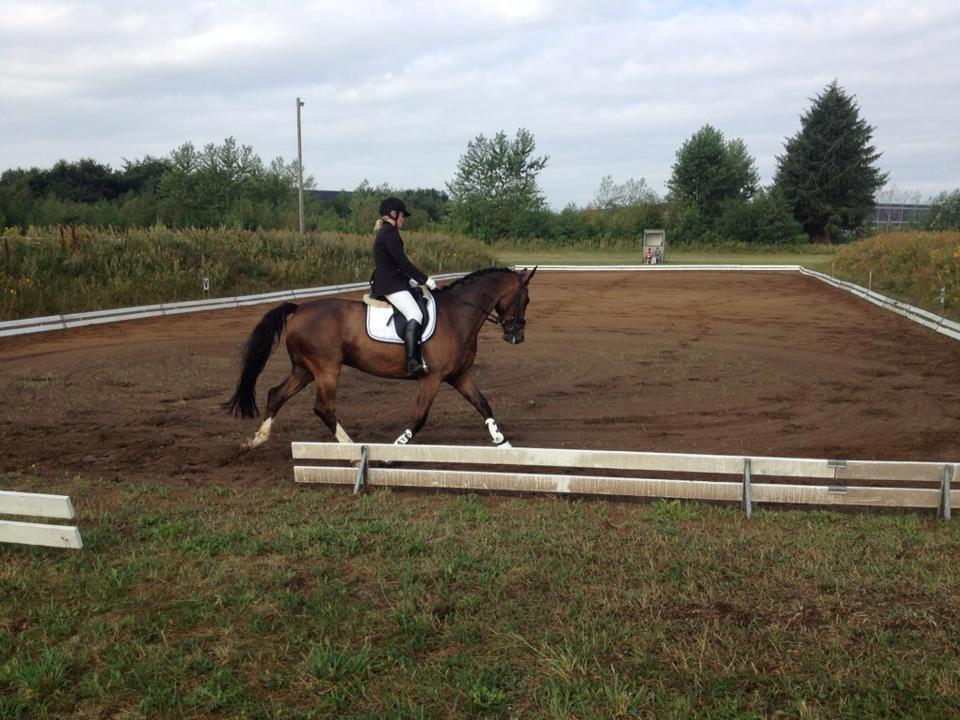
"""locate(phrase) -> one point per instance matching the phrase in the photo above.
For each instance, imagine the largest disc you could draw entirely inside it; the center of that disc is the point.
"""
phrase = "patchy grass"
(282, 602)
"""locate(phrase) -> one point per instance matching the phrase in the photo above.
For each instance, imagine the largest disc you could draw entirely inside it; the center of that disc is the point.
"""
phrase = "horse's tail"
(255, 352)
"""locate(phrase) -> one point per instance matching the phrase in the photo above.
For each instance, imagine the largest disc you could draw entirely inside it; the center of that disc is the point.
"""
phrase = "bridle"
(514, 324)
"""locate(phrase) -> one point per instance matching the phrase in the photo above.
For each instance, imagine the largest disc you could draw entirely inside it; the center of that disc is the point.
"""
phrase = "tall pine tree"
(827, 173)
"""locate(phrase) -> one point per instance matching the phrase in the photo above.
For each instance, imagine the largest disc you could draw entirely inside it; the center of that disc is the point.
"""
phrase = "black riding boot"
(411, 342)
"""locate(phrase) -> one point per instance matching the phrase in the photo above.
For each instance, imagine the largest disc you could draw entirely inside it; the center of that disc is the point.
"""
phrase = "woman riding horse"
(393, 276)
(326, 334)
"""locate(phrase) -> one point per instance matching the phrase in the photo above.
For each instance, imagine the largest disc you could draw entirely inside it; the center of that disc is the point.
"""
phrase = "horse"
(324, 335)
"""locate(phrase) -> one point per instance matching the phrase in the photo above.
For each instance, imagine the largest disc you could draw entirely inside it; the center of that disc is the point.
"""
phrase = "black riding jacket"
(392, 270)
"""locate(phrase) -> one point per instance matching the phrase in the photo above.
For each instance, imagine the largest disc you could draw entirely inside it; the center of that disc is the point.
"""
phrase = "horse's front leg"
(427, 388)
(465, 385)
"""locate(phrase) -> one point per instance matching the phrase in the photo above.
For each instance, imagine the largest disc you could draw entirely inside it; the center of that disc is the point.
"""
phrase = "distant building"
(325, 195)
(896, 216)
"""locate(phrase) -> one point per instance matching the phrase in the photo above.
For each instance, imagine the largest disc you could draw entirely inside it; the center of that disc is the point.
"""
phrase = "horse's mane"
(476, 274)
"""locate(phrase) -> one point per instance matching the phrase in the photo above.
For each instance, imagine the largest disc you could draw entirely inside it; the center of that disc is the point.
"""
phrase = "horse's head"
(512, 307)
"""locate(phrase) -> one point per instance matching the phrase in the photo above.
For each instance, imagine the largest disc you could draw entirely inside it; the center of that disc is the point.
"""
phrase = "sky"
(393, 91)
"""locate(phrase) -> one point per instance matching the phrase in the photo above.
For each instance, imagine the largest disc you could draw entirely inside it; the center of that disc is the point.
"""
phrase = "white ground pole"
(41, 506)
(891, 484)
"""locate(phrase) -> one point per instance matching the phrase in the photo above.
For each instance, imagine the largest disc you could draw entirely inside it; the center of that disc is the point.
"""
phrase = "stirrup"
(416, 369)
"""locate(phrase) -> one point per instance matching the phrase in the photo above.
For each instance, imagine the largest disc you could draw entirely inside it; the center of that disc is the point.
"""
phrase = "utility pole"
(300, 162)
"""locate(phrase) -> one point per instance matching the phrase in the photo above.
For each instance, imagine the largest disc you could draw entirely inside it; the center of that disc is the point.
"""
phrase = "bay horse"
(324, 335)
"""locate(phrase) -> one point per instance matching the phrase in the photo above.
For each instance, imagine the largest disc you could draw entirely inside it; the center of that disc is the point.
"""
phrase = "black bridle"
(514, 324)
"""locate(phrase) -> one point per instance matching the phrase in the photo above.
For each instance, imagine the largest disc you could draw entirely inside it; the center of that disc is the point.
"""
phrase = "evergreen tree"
(828, 173)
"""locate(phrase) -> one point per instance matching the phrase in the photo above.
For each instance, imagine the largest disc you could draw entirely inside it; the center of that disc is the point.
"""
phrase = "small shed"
(656, 240)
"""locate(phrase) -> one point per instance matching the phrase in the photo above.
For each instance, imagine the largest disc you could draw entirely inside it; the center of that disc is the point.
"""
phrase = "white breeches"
(404, 302)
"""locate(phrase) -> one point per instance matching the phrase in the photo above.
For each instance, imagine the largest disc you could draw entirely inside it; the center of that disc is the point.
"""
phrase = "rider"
(393, 276)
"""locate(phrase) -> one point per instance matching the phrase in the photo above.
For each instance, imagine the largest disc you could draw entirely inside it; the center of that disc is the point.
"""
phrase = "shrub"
(911, 266)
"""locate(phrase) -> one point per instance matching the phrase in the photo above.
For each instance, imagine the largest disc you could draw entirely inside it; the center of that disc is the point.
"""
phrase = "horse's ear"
(529, 277)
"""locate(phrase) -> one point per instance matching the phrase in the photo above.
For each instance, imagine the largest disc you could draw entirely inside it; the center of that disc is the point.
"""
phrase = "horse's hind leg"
(468, 388)
(296, 381)
(325, 405)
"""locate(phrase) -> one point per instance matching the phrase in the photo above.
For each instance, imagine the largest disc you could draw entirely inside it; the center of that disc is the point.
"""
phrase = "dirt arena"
(734, 363)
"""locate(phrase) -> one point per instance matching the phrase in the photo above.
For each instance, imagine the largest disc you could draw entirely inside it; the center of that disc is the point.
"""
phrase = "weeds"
(44, 273)
(910, 266)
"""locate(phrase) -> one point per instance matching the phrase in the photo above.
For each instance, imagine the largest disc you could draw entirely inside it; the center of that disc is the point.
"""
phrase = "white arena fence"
(38, 505)
(98, 317)
(923, 317)
(788, 481)
(62, 322)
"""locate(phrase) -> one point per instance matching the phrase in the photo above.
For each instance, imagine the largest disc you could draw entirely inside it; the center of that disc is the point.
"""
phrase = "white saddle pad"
(380, 323)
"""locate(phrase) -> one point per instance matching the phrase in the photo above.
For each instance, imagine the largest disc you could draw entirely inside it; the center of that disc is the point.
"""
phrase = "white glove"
(431, 283)
(413, 283)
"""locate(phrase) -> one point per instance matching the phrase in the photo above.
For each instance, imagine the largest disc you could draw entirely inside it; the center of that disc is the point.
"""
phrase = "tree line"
(826, 183)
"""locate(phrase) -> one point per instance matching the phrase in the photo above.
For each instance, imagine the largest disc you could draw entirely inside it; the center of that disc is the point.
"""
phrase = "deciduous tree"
(709, 172)
(495, 187)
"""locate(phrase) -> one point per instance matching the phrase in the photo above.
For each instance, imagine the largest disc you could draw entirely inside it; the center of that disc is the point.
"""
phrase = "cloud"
(395, 91)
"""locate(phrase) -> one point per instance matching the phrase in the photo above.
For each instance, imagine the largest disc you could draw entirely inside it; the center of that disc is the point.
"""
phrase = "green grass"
(278, 601)
(810, 256)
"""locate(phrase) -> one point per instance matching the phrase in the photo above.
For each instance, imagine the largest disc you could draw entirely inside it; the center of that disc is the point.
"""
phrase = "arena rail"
(660, 268)
(930, 320)
(62, 322)
(40, 506)
(98, 317)
(919, 485)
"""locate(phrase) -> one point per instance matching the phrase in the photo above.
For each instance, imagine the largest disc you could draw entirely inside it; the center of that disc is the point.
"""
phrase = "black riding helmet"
(390, 204)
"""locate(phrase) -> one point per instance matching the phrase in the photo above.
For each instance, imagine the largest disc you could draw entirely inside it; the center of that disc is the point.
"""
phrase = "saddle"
(386, 324)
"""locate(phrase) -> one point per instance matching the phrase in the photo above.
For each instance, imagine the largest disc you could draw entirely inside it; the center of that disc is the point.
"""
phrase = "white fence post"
(361, 470)
(747, 490)
(945, 492)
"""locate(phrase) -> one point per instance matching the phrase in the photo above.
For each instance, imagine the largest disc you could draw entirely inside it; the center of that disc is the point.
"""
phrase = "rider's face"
(401, 219)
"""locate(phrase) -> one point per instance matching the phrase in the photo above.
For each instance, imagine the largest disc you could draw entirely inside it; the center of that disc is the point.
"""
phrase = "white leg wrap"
(405, 437)
(495, 433)
(261, 436)
(342, 435)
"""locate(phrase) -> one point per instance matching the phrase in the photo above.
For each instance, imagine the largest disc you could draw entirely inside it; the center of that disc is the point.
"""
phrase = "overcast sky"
(394, 90)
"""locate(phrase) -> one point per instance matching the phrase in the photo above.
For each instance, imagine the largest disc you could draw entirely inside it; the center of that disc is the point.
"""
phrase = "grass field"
(279, 601)
(273, 601)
